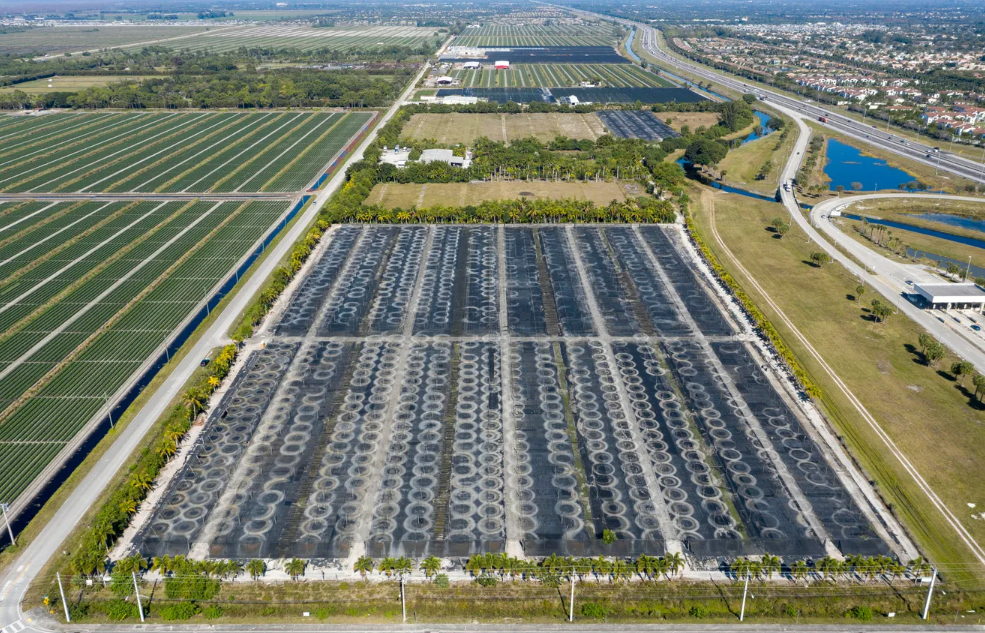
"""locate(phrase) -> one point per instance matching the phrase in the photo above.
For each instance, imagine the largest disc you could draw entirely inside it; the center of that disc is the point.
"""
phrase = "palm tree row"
(857, 567)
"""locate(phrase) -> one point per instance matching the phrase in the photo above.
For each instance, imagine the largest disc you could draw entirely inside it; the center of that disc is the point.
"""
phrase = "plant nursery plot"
(90, 292)
(300, 37)
(500, 35)
(187, 152)
(456, 389)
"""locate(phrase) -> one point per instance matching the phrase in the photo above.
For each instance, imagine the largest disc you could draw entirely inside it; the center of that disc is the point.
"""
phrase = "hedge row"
(118, 510)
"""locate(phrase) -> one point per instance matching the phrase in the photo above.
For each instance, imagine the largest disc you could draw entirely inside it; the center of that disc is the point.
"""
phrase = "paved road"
(15, 580)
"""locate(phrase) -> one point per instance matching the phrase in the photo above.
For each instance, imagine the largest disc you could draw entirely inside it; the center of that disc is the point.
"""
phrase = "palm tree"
(827, 566)
(364, 565)
(799, 570)
(195, 400)
(474, 565)
(620, 569)
(161, 564)
(770, 564)
(142, 480)
(643, 566)
(256, 568)
(676, 562)
(601, 567)
(403, 565)
(295, 568)
(388, 566)
(919, 567)
(429, 565)
(661, 567)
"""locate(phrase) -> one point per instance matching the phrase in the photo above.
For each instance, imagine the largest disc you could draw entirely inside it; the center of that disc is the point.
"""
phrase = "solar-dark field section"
(549, 55)
(636, 124)
(584, 95)
(456, 389)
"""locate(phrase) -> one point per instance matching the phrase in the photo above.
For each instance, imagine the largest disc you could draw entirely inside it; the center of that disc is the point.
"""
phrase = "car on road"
(976, 327)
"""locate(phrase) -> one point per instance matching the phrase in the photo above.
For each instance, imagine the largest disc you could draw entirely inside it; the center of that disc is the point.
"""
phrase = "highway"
(15, 579)
(945, 161)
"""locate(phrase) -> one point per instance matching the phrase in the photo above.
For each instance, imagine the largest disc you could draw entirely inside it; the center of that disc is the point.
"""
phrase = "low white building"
(963, 296)
(444, 156)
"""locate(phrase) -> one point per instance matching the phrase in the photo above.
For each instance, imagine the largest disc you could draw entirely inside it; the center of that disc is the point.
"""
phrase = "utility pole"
(403, 598)
(967, 271)
(930, 593)
(61, 590)
(745, 590)
(571, 603)
(10, 530)
(136, 592)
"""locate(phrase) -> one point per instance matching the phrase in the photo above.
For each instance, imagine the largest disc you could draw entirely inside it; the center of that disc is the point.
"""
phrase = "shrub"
(121, 610)
(268, 611)
(78, 611)
(594, 610)
(441, 580)
(178, 611)
(698, 611)
(212, 612)
(486, 581)
(862, 613)
(790, 611)
(194, 586)
(323, 613)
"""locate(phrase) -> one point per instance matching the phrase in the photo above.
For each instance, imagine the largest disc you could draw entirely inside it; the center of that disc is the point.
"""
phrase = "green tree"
(960, 369)
(705, 151)
(608, 537)
(881, 310)
(934, 353)
(430, 566)
(295, 568)
(859, 291)
(256, 568)
(979, 382)
(820, 258)
(770, 564)
(363, 565)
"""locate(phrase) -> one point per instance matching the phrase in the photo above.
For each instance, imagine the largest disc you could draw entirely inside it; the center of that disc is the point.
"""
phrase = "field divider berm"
(37, 225)
(256, 156)
(140, 296)
(162, 188)
(138, 150)
(162, 161)
(13, 207)
(60, 164)
(311, 146)
(13, 329)
(17, 274)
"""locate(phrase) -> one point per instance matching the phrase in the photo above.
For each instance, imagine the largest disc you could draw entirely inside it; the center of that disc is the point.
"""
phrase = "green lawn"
(933, 420)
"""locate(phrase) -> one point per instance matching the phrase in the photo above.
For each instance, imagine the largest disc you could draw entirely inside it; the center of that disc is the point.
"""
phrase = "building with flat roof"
(963, 296)
(445, 156)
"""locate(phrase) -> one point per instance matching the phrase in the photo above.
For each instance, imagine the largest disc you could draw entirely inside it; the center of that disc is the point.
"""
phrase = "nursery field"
(90, 291)
(349, 38)
(175, 152)
(490, 35)
(459, 127)
(457, 389)
(52, 40)
(559, 76)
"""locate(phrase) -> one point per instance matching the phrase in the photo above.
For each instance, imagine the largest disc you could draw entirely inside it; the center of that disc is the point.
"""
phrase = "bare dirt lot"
(394, 195)
(677, 120)
(458, 127)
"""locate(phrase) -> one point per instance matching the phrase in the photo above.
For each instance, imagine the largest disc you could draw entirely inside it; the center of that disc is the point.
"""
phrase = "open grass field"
(72, 84)
(88, 293)
(352, 38)
(694, 120)
(930, 417)
(742, 165)
(559, 76)
(171, 152)
(599, 34)
(465, 128)
(394, 195)
(54, 40)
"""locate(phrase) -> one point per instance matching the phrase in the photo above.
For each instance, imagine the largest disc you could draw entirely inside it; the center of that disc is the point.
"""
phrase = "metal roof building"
(961, 296)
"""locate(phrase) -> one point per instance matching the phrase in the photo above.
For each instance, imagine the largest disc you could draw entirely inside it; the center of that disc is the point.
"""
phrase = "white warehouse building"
(963, 296)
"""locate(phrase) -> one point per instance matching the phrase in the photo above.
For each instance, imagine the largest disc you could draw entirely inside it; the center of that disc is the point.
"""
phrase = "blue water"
(847, 165)
(629, 46)
(951, 237)
(760, 130)
(683, 162)
(953, 220)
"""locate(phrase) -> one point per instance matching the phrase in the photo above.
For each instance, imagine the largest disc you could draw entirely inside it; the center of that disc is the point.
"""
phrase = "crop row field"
(89, 291)
(560, 35)
(450, 390)
(178, 152)
(559, 76)
(52, 40)
(350, 38)
(457, 127)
